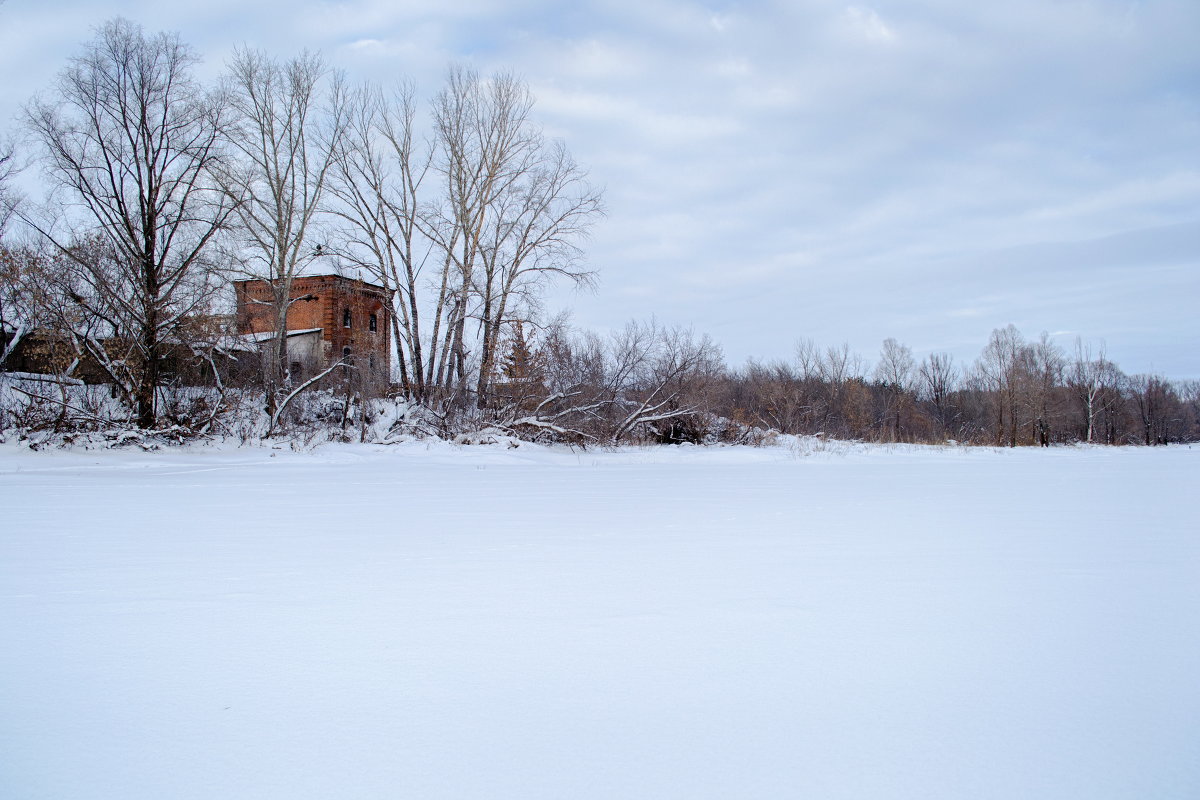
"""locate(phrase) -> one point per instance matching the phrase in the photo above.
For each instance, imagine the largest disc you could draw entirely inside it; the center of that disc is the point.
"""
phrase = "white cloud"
(868, 24)
(374, 45)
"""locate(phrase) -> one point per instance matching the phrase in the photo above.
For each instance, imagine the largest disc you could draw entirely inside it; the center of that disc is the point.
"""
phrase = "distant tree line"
(160, 190)
(1017, 392)
(650, 383)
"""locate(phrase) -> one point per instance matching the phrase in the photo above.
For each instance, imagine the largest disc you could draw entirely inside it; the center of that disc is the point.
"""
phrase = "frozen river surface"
(440, 622)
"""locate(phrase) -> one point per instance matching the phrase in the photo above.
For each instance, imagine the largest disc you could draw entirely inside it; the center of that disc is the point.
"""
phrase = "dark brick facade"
(354, 317)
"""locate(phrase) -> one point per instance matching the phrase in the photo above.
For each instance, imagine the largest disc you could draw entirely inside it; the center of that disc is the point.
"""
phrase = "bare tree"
(1189, 398)
(1044, 365)
(536, 228)
(485, 143)
(1158, 408)
(514, 211)
(808, 359)
(839, 368)
(998, 368)
(8, 168)
(895, 372)
(287, 136)
(380, 169)
(17, 311)
(839, 364)
(809, 383)
(1114, 419)
(130, 140)
(469, 252)
(8, 198)
(938, 380)
(1086, 379)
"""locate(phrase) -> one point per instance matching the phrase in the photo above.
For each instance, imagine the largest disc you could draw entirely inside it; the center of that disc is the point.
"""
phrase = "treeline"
(1017, 392)
(649, 383)
(161, 190)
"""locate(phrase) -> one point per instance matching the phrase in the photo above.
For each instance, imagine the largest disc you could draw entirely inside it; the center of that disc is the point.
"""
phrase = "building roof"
(267, 335)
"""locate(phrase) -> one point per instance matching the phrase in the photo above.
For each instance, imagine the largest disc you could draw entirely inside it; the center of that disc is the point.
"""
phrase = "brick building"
(331, 318)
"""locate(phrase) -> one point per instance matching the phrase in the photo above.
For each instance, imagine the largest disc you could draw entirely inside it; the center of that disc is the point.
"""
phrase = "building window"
(346, 318)
(294, 370)
(347, 360)
(373, 323)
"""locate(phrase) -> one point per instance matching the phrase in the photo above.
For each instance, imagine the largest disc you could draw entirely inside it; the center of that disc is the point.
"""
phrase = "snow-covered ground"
(431, 621)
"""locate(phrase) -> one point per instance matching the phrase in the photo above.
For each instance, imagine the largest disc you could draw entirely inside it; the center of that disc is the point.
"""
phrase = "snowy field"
(430, 621)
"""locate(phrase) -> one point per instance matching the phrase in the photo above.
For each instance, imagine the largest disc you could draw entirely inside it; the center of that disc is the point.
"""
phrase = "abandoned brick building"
(331, 318)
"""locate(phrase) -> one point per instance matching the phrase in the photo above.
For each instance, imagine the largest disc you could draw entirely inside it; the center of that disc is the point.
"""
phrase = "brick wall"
(333, 297)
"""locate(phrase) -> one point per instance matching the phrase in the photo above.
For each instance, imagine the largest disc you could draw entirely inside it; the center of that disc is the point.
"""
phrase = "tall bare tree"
(381, 166)
(938, 378)
(514, 211)
(839, 368)
(1157, 406)
(896, 373)
(14, 321)
(1044, 364)
(485, 144)
(8, 168)
(534, 236)
(998, 368)
(130, 140)
(286, 134)
(1087, 378)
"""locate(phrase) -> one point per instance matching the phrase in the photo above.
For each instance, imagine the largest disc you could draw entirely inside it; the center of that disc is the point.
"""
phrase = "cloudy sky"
(844, 172)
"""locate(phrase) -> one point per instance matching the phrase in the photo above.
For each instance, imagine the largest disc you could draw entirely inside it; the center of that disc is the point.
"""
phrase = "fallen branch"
(534, 422)
(283, 405)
